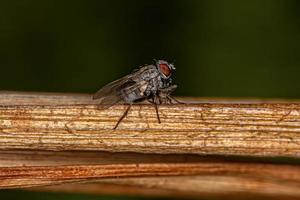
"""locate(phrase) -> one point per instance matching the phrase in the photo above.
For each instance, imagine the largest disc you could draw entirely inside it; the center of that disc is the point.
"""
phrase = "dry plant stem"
(169, 175)
(48, 122)
(225, 187)
(59, 122)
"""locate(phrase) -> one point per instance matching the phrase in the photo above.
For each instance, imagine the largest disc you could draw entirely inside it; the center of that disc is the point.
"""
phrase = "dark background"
(229, 48)
(221, 48)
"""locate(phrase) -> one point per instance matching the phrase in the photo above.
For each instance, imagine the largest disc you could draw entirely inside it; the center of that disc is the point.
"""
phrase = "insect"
(151, 82)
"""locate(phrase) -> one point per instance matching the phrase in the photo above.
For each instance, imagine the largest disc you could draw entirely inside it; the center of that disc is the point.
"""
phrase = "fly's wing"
(127, 86)
(111, 87)
(116, 91)
(110, 93)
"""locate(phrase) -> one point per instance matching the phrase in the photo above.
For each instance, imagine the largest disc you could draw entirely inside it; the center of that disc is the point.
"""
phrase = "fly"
(151, 82)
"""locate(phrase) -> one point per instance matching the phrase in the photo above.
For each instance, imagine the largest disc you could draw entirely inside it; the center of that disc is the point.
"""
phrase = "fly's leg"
(123, 116)
(155, 103)
(169, 100)
(156, 107)
(165, 95)
(173, 99)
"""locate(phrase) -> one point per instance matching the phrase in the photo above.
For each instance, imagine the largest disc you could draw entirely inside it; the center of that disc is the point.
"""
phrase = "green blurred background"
(229, 48)
(220, 48)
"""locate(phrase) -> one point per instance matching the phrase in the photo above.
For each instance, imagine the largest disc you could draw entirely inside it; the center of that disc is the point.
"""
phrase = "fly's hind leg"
(123, 116)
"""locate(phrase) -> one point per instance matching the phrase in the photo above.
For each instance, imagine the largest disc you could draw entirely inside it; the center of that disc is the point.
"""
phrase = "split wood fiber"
(149, 174)
(74, 122)
(54, 139)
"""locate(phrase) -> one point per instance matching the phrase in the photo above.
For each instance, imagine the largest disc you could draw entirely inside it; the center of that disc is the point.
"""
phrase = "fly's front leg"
(166, 95)
(173, 99)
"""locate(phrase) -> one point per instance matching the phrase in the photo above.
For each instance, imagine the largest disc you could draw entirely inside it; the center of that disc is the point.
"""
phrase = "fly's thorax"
(156, 81)
(148, 80)
(150, 73)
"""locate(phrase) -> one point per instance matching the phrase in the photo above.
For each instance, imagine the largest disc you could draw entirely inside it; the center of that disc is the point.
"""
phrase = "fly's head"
(165, 69)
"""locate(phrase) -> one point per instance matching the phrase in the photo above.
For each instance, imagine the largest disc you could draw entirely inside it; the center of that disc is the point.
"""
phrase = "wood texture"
(149, 174)
(204, 187)
(206, 148)
(75, 122)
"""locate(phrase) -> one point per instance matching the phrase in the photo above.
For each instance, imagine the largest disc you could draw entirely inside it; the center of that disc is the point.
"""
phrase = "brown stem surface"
(149, 174)
(36, 129)
(75, 122)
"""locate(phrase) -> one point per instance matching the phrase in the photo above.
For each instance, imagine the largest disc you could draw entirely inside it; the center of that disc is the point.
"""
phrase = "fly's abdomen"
(132, 94)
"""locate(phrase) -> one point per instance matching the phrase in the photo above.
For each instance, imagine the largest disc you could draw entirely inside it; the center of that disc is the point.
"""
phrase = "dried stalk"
(166, 175)
(204, 186)
(75, 122)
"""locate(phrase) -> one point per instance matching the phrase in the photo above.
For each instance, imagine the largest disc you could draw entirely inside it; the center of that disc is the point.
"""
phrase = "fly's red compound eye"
(165, 69)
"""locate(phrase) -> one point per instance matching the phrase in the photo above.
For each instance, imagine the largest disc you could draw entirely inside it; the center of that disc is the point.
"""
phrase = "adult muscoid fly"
(150, 82)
